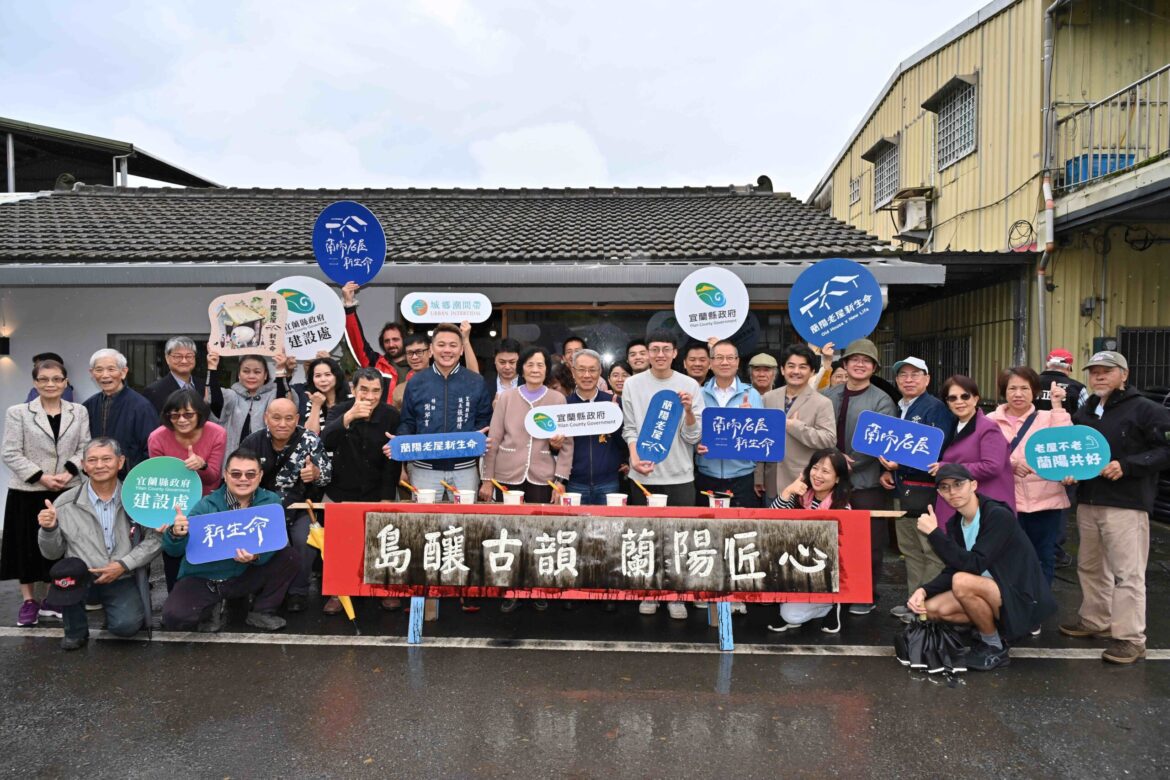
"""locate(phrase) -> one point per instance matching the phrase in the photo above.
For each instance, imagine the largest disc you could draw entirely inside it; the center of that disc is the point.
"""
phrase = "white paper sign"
(316, 318)
(711, 302)
(544, 422)
(446, 307)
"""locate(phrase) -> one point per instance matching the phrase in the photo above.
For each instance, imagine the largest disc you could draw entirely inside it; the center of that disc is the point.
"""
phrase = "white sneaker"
(784, 626)
(739, 607)
(677, 610)
(700, 604)
(647, 607)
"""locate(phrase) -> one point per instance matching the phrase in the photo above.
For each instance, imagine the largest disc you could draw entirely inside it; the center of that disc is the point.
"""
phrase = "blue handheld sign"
(735, 433)
(432, 446)
(1076, 451)
(349, 243)
(905, 443)
(663, 416)
(217, 536)
(835, 300)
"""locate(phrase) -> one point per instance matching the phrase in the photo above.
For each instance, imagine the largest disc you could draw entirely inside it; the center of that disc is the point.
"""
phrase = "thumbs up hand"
(47, 517)
(180, 526)
(309, 472)
(193, 461)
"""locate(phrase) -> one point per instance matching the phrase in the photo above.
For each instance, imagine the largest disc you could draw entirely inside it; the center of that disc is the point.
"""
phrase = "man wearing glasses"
(180, 356)
(726, 389)
(196, 603)
(418, 357)
(599, 460)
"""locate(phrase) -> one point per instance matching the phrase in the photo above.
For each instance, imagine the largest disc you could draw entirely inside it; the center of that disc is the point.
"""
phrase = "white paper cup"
(719, 502)
(615, 499)
(514, 497)
(463, 497)
(656, 499)
(425, 496)
(570, 499)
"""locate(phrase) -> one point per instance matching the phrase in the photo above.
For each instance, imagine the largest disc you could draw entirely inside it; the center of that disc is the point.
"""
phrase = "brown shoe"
(1082, 631)
(391, 604)
(332, 606)
(1122, 651)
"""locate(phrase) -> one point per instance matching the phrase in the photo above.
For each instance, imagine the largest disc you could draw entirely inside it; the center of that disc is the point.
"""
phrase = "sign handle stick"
(726, 640)
(414, 630)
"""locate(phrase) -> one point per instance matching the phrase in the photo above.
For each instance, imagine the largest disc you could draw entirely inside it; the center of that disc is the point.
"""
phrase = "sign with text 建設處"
(711, 301)
(736, 433)
(835, 300)
(349, 242)
(316, 318)
(435, 446)
(216, 537)
(155, 487)
(1076, 451)
(904, 442)
(427, 307)
(593, 419)
(663, 416)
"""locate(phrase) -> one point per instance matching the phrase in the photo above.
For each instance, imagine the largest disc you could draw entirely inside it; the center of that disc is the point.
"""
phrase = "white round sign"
(711, 302)
(316, 318)
(593, 419)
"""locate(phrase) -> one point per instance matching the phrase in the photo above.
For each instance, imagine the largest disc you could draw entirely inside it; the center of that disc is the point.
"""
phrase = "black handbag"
(915, 497)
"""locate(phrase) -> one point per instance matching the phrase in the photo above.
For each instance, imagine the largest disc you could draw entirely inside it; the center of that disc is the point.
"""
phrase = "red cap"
(1061, 356)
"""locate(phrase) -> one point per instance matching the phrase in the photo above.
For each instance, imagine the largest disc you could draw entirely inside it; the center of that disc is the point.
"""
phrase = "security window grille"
(854, 190)
(1147, 350)
(885, 175)
(888, 351)
(956, 125)
(945, 356)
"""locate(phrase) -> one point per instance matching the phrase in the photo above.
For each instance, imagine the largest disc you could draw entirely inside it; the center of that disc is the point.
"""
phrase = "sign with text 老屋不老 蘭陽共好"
(432, 307)
(217, 536)
(737, 433)
(349, 242)
(664, 414)
(248, 323)
(906, 443)
(711, 301)
(1076, 451)
(316, 318)
(435, 446)
(544, 422)
(156, 487)
(835, 301)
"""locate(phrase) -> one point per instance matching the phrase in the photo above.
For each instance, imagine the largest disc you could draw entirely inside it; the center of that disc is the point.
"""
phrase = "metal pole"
(11, 154)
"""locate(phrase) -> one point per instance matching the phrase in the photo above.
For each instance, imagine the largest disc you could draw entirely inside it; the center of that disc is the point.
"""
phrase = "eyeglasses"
(416, 352)
(588, 371)
(183, 415)
(243, 474)
(951, 487)
(182, 357)
(50, 380)
(725, 359)
(959, 397)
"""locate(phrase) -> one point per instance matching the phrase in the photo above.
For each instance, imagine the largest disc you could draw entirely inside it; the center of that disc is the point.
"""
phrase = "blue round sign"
(835, 300)
(349, 243)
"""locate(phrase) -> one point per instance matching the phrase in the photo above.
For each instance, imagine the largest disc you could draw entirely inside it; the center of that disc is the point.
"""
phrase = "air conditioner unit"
(913, 215)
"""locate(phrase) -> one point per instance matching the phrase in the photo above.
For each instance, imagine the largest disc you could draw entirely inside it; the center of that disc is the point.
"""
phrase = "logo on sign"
(419, 307)
(710, 294)
(297, 301)
(545, 422)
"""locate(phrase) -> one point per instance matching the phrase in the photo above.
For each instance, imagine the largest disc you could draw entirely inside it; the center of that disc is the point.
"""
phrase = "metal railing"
(1125, 129)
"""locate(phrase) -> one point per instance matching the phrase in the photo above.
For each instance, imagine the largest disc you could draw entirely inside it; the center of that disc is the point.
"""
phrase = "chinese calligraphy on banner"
(1075, 451)
(216, 537)
(744, 434)
(901, 441)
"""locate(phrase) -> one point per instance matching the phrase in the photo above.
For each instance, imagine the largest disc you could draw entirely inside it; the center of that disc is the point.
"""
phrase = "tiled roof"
(106, 224)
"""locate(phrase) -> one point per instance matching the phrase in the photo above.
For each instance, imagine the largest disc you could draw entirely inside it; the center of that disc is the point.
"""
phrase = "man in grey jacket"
(90, 523)
(849, 400)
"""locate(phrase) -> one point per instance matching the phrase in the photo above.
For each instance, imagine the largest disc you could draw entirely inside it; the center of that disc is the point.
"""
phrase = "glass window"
(956, 125)
(885, 175)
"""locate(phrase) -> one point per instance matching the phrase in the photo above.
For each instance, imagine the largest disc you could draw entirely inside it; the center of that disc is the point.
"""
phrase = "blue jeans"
(1043, 530)
(463, 479)
(592, 495)
(123, 605)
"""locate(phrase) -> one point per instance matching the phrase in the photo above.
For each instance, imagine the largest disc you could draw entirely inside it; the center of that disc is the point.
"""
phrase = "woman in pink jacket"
(1040, 503)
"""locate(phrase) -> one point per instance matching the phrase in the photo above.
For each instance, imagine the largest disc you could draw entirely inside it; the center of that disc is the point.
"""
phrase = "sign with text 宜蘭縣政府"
(664, 414)
(1076, 451)
(901, 441)
(316, 318)
(435, 446)
(217, 536)
(736, 433)
(835, 300)
(426, 307)
(711, 301)
(593, 419)
(155, 487)
(349, 242)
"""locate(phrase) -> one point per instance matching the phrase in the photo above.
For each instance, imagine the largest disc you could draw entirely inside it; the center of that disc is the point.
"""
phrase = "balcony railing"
(1125, 129)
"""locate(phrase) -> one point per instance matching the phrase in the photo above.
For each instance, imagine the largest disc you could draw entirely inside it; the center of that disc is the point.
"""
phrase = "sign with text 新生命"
(663, 416)
(316, 318)
(711, 301)
(592, 419)
(216, 537)
(835, 300)
(1076, 451)
(154, 487)
(433, 446)
(735, 433)
(428, 307)
(901, 441)
(349, 242)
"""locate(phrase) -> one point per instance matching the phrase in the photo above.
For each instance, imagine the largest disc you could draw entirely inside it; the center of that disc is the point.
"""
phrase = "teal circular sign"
(154, 487)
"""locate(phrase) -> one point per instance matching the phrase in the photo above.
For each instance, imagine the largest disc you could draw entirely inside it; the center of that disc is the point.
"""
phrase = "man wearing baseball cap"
(1056, 369)
(1113, 510)
(762, 369)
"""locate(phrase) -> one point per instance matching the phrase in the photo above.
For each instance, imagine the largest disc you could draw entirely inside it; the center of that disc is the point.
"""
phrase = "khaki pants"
(1111, 565)
(922, 563)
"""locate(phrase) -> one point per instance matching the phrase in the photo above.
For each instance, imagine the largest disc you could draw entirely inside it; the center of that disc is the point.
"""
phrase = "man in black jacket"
(355, 432)
(180, 356)
(1113, 510)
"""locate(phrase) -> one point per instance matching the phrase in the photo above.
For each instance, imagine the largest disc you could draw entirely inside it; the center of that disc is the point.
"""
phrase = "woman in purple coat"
(978, 445)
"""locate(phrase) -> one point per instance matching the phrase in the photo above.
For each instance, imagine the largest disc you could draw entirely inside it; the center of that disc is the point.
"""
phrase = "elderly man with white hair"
(180, 354)
(118, 412)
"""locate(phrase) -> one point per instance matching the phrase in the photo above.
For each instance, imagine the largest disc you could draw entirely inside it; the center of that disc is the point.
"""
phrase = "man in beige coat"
(811, 425)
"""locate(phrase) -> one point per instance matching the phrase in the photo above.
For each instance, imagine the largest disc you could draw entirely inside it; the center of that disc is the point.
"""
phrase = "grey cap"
(1108, 359)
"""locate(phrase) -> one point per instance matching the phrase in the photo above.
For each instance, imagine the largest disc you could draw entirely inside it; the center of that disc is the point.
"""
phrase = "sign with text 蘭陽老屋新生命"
(1076, 451)
(901, 441)
(156, 487)
(217, 536)
(736, 433)
(316, 318)
(664, 414)
(349, 242)
(711, 301)
(427, 307)
(248, 323)
(593, 419)
(435, 446)
(835, 301)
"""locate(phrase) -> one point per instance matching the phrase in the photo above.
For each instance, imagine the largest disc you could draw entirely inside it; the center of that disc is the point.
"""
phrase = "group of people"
(979, 529)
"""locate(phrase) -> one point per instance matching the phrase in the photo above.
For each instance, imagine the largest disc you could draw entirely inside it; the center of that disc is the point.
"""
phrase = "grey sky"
(439, 93)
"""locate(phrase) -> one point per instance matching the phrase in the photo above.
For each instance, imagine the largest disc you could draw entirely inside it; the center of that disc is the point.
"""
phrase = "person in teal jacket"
(197, 599)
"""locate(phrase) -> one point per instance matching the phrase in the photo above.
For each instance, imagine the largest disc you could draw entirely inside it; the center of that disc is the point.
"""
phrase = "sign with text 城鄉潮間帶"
(428, 307)
(349, 242)
(735, 433)
(835, 300)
